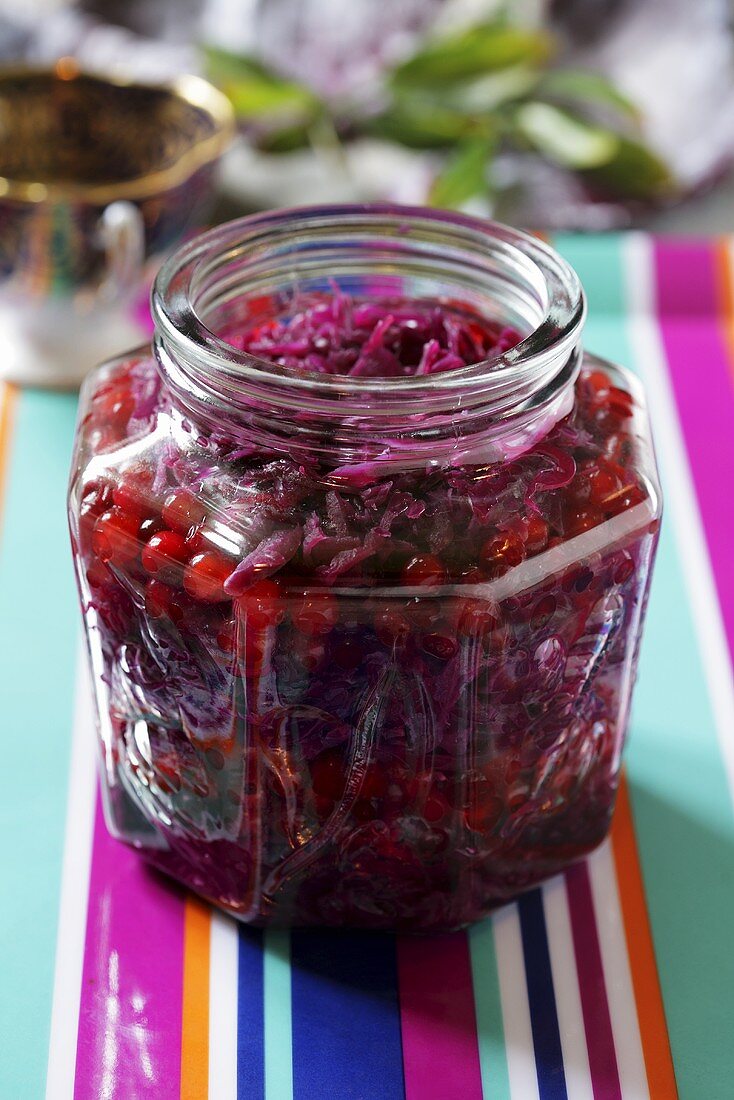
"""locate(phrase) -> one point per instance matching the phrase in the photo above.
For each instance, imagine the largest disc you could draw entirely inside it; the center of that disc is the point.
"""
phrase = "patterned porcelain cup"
(98, 178)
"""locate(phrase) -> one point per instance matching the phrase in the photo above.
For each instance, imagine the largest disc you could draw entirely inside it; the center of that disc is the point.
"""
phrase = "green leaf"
(464, 175)
(484, 48)
(285, 139)
(618, 166)
(253, 100)
(581, 87)
(257, 95)
(486, 93)
(565, 138)
(635, 172)
(424, 125)
(226, 66)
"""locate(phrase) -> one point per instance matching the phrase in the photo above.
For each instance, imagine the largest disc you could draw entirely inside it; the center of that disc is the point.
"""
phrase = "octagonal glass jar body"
(362, 648)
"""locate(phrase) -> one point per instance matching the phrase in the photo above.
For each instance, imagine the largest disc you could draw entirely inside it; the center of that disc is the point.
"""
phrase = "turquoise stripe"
(40, 618)
(277, 1015)
(488, 1007)
(680, 800)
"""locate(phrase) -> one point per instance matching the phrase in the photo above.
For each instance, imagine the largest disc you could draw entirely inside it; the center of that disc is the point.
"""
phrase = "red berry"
(96, 498)
(134, 491)
(436, 808)
(317, 613)
(370, 802)
(624, 569)
(474, 618)
(262, 604)
(598, 383)
(114, 404)
(427, 614)
(484, 809)
(97, 574)
(579, 520)
(595, 482)
(197, 541)
(536, 534)
(620, 403)
(164, 556)
(391, 627)
(502, 552)
(149, 527)
(425, 570)
(533, 530)
(543, 611)
(440, 645)
(102, 439)
(162, 602)
(205, 575)
(603, 483)
(116, 537)
(624, 498)
(311, 653)
(227, 636)
(374, 783)
(182, 511)
(329, 778)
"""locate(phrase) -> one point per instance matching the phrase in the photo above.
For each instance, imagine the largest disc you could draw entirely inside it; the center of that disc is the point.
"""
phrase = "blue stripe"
(346, 1017)
(39, 624)
(250, 1023)
(541, 999)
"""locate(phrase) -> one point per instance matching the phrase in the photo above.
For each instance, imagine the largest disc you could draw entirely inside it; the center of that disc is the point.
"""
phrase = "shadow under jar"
(363, 646)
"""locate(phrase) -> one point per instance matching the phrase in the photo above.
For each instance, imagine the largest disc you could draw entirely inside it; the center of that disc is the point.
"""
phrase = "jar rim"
(186, 335)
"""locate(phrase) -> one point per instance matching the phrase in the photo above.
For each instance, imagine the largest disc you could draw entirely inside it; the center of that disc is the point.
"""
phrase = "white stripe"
(617, 975)
(647, 344)
(223, 1008)
(75, 870)
(566, 988)
(515, 1008)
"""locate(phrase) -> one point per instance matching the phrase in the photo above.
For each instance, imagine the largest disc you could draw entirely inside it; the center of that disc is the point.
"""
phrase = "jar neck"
(487, 412)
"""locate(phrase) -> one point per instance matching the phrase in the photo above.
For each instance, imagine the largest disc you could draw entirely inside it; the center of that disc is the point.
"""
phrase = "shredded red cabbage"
(378, 339)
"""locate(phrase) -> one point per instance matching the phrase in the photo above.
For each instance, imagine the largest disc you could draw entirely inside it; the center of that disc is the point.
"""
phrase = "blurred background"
(584, 114)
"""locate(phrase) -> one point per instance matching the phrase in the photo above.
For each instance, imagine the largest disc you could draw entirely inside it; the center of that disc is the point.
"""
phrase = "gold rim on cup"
(191, 90)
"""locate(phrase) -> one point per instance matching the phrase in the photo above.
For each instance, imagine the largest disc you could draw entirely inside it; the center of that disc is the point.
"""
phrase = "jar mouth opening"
(184, 290)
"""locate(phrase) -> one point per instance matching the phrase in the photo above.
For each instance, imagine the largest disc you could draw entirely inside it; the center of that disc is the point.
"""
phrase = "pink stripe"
(697, 357)
(592, 987)
(129, 1041)
(437, 1018)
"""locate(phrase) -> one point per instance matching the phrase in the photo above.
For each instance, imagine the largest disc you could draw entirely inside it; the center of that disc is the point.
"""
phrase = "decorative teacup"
(97, 178)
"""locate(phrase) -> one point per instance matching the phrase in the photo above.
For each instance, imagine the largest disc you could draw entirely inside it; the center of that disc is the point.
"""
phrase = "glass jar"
(362, 648)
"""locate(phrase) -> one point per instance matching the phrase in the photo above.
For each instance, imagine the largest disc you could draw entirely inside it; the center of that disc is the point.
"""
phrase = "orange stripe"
(725, 286)
(195, 1024)
(8, 401)
(641, 952)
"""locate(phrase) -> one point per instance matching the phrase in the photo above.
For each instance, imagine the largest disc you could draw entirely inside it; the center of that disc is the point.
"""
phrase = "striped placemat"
(615, 980)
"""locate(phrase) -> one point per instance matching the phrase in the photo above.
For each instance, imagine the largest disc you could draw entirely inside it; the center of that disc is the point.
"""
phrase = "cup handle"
(121, 233)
